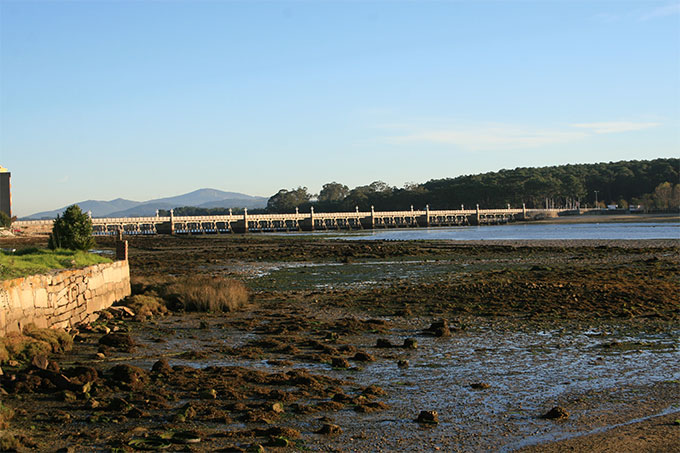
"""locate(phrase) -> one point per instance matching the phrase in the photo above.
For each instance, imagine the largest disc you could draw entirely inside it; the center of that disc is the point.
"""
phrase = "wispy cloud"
(502, 136)
(489, 137)
(612, 127)
(64, 179)
(662, 11)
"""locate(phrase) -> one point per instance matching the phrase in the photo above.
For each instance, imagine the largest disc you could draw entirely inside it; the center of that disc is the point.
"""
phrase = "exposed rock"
(131, 376)
(556, 413)
(374, 390)
(403, 364)
(438, 329)
(370, 407)
(480, 386)
(383, 343)
(431, 417)
(118, 405)
(339, 362)
(342, 398)
(68, 396)
(330, 406)
(362, 356)
(209, 394)
(410, 343)
(330, 429)
(162, 367)
(121, 312)
(279, 442)
(40, 361)
(120, 341)
(82, 374)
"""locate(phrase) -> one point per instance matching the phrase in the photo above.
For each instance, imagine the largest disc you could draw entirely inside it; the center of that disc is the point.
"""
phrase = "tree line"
(653, 184)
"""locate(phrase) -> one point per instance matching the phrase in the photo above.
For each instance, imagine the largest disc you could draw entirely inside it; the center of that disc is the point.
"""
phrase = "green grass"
(35, 261)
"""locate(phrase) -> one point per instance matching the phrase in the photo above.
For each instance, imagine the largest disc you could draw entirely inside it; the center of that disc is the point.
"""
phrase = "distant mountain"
(97, 207)
(205, 196)
(126, 208)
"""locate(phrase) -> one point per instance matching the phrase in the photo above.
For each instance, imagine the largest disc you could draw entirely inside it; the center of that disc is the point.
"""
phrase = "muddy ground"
(345, 343)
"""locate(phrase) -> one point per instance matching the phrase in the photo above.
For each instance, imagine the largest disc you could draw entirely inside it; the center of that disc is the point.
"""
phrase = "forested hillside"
(654, 184)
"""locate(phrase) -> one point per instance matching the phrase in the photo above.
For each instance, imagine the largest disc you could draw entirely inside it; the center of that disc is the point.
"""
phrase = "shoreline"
(606, 217)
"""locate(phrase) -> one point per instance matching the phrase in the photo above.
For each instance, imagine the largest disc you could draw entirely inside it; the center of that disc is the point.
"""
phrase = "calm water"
(522, 231)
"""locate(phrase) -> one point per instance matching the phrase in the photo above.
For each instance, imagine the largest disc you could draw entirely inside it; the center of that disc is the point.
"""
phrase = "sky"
(148, 99)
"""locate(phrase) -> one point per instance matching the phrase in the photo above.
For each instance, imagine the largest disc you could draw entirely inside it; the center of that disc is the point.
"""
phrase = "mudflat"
(372, 345)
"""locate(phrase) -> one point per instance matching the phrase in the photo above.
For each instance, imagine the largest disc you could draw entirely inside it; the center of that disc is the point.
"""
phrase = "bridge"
(298, 221)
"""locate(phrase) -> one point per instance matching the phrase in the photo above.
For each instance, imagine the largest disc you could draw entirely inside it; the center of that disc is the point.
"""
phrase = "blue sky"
(144, 99)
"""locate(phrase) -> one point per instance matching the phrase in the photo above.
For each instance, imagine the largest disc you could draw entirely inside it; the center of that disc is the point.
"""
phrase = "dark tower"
(5, 191)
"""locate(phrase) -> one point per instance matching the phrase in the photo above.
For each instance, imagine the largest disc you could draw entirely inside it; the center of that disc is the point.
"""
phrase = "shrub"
(72, 231)
(6, 414)
(146, 305)
(203, 293)
(22, 348)
(9, 443)
(5, 220)
(58, 339)
(34, 342)
(4, 353)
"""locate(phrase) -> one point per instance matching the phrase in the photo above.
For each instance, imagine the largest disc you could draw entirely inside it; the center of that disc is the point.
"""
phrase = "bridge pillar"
(524, 211)
(372, 217)
(245, 220)
(476, 219)
(311, 212)
(427, 215)
(172, 221)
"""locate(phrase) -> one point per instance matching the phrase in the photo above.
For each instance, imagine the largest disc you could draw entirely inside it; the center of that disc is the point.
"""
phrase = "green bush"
(5, 220)
(72, 231)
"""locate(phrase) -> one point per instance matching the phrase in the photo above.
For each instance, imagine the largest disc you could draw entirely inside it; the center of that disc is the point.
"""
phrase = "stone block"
(40, 322)
(26, 297)
(96, 281)
(40, 298)
(60, 324)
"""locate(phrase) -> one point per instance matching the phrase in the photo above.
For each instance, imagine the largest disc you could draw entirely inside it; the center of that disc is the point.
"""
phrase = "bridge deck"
(246, 222)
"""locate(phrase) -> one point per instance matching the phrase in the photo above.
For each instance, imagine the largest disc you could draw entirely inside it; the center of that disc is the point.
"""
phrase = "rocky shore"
(367, 346)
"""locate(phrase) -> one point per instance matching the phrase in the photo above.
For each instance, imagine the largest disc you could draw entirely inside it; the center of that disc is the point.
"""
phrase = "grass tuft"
(198, 293)
(208, 294)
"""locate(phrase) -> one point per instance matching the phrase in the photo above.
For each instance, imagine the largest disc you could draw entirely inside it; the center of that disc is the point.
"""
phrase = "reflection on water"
(524, 231)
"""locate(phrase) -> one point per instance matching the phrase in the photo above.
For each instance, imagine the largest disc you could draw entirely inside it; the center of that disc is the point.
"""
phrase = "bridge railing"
(266, 222)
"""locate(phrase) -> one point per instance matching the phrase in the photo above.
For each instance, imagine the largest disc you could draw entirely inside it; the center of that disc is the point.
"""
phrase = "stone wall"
(61, 298)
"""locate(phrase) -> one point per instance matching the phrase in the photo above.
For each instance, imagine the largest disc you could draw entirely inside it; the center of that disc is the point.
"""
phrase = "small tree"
(5, 220)
(73, 230)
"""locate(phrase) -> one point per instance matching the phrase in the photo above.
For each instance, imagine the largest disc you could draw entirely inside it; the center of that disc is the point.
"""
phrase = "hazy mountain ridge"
(128, 208)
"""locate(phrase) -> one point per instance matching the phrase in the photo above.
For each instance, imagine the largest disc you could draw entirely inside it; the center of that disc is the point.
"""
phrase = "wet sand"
(590, 326)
